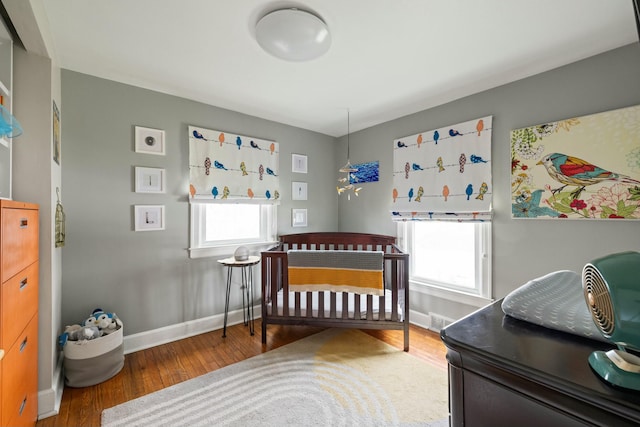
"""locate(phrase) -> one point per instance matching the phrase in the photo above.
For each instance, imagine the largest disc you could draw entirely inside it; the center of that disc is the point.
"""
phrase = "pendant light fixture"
(346, 183)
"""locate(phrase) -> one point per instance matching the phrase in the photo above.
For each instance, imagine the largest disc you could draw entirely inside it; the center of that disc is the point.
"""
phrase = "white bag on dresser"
(90, 362)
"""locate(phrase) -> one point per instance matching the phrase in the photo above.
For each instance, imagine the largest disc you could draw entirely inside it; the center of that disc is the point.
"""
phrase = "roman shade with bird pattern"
(225, 167)
(444, 173)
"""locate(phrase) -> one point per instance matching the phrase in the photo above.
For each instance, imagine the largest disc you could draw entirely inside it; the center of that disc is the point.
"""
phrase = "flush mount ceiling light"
(293, 35)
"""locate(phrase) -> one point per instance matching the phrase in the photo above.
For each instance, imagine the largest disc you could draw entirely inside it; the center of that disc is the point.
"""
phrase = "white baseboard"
(155, 337)
(49, 400)
(420, 319)
(432, 321)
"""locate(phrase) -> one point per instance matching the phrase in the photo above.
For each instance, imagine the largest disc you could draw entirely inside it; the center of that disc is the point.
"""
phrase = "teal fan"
(9, 126)
(612, 292)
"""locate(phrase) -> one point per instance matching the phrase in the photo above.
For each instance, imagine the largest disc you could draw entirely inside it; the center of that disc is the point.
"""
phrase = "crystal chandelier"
(346, 183)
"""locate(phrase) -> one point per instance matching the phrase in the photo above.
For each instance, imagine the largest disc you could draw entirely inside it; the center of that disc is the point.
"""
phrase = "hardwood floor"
(150, 370)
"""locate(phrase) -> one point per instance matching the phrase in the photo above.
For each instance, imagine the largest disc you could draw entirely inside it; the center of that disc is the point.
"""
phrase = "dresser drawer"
(19, 302)
(18, 241)
(20, 379)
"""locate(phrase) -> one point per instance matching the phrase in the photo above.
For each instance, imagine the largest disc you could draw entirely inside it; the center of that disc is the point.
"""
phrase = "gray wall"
(147, 278)
(522, 249)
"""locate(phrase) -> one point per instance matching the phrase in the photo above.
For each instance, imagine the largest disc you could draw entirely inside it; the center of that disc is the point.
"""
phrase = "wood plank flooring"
(150, 370)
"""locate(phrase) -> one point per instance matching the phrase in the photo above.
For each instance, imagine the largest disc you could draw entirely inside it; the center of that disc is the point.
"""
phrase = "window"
(219, 228)
(450, 260)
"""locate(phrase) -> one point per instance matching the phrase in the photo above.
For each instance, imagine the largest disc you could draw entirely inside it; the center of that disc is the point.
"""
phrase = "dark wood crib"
(324, 308)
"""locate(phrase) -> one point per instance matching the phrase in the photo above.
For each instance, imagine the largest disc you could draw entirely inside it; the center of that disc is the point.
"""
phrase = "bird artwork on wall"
(569, 170)
(580, 168)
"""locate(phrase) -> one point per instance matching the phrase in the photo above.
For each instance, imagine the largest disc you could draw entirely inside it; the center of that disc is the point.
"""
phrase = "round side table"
(247, 287)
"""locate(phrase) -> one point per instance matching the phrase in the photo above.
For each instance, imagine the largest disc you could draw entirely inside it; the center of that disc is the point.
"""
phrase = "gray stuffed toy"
(80, 333)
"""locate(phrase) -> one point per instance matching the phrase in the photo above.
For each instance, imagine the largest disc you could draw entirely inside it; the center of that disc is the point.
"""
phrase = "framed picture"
(298, 217)
(149, 141)
(150, 180)
(149, 218)
(298, 191)
(562, 170)
(299, 163)
(367, 172)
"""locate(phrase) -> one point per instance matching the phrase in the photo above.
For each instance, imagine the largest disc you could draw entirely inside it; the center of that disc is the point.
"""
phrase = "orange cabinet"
(18, 313)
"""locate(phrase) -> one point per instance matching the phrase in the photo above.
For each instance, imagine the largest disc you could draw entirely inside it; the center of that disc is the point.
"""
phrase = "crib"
(283, 306)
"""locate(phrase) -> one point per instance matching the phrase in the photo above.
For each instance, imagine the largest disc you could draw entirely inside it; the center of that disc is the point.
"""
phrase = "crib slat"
(345, 305)
(369, 307)
(274, 278)
(321, 313)
(284, 273)
(309, 304)
(332, 305)
(297, 309)
(394, 290)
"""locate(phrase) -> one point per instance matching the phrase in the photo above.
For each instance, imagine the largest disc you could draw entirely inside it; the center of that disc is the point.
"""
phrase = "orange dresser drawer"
(18, 304)
(20, 381)
(19, 240)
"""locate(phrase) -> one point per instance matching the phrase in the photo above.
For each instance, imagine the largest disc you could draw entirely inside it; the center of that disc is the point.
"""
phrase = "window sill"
(450, 294)
(228, 250)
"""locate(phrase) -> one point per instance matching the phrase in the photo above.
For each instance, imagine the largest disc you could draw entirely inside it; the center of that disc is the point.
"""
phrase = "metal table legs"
(247, 295)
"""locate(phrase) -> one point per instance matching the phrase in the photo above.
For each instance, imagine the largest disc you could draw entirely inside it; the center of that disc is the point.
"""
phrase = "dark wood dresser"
(507, 372)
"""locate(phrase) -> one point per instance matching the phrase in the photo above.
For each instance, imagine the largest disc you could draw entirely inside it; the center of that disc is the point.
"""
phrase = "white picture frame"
(150, 180)
(298, 217)
(298, 190)
(149, 141)
(299, 163)
(149, 217)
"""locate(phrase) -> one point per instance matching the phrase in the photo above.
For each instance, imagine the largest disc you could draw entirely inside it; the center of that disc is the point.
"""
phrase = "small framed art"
(149, 217)
(298, 191)
(299, 163)
(150, 180)
(298, 217)
(149, 141)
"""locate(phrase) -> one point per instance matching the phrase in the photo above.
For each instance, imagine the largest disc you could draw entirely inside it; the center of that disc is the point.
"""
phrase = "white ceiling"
(388, 58)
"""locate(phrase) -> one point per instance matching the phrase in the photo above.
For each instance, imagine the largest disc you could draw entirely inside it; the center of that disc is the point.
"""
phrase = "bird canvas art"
(580, 168)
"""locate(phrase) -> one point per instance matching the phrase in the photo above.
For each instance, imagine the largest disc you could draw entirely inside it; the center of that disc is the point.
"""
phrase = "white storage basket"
(91, 362)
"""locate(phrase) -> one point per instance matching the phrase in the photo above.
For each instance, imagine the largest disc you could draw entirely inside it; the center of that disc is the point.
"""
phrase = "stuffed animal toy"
(79, 333)
(106, 322)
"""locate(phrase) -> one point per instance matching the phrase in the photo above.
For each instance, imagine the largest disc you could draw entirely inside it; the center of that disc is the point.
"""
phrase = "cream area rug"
(338, 377)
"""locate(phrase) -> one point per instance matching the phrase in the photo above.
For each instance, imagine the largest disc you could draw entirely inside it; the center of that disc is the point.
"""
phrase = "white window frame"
(478, 297)
(201, 248)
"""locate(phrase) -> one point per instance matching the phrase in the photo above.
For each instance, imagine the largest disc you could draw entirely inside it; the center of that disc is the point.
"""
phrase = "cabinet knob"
(24, 222)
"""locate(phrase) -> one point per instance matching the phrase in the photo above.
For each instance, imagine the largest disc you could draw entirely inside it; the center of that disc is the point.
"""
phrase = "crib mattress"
(315, 296)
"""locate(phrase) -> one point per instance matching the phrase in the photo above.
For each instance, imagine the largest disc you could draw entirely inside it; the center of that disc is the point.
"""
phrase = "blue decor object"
(9, 126)
(366, 172)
